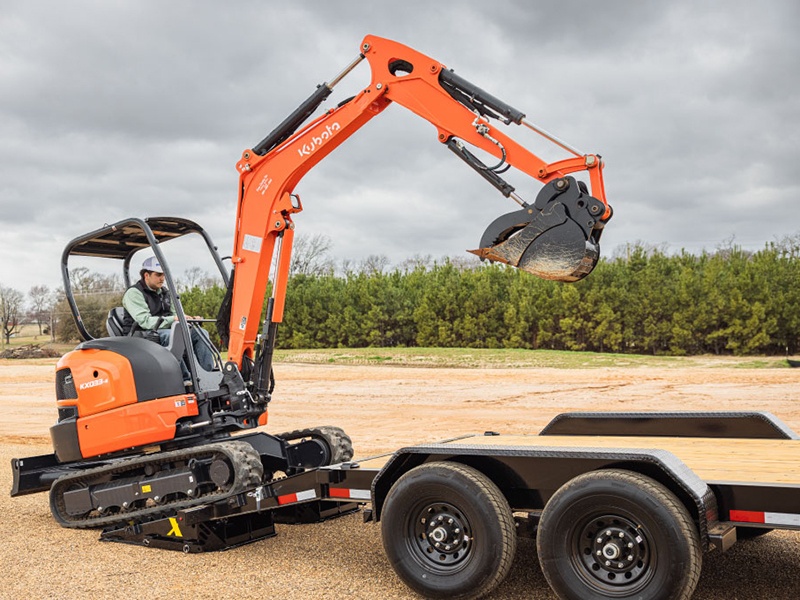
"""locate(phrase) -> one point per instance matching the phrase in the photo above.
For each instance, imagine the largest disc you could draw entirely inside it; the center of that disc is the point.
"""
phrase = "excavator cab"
(124, 383)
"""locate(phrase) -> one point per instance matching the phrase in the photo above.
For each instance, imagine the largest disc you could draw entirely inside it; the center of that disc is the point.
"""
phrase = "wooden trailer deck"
(714, 460)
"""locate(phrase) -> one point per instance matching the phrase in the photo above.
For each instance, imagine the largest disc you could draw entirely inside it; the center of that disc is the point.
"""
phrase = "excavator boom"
(554, 237)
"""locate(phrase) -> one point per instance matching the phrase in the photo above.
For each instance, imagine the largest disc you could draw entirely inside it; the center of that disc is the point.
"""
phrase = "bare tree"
(58, 311)
(94, 294)
(418, 261)
(374, 264)
(195, 277)
(41, 298)
(86, 282)
(464, 262)
(10, 311)
(311, 255)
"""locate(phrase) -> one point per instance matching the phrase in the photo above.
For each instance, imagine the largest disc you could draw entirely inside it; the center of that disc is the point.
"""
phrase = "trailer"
(622, 505)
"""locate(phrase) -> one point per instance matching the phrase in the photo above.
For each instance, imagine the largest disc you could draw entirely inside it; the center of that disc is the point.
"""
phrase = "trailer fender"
(529, 476)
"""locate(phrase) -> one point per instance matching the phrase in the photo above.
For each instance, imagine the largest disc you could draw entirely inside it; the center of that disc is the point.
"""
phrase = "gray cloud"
(120, 109)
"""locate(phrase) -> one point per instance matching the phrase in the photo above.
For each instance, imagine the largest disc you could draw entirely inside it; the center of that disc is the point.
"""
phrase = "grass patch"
(513, 358)
(472, 357)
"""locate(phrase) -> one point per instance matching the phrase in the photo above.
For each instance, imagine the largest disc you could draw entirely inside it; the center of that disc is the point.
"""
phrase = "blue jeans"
(201, 349)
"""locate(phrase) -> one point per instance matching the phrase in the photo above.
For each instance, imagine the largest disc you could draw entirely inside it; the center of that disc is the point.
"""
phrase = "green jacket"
(136, 305)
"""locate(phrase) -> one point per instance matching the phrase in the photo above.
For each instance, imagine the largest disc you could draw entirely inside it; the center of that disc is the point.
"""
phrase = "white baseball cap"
(152, 264)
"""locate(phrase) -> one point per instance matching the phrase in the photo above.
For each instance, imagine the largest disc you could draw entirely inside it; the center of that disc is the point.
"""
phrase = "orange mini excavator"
(133, 442)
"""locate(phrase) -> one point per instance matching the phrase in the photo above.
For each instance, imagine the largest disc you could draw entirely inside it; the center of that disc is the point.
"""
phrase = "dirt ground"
(382, 408)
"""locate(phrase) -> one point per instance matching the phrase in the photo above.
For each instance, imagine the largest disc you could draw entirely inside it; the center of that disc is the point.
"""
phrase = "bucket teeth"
(556, 238)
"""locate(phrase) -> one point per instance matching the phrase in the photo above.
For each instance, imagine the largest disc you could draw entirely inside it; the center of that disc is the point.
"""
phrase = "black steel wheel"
(448, 531)
(618, 534)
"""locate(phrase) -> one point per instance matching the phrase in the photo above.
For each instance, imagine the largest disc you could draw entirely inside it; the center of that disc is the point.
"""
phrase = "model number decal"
(251, 243)
(264, 185)
(92, 383)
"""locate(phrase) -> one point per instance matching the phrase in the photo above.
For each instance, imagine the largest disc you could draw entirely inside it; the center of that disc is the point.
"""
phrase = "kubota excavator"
(133, 443)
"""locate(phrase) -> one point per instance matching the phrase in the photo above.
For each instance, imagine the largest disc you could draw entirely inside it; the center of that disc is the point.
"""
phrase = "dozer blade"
(555, 238)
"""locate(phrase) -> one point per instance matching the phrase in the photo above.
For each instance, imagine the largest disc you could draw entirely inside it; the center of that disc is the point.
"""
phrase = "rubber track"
(248, 472)
(339, 443)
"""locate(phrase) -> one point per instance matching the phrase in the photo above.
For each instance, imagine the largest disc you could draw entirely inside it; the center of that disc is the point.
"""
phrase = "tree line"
(643, 300)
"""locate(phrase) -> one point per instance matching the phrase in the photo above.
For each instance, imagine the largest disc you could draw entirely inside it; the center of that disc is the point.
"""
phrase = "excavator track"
(154, 486)
(339, 444)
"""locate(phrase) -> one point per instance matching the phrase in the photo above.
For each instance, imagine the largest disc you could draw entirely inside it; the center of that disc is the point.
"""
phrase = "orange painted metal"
(103, 379)
(133, 425)
(266, 182)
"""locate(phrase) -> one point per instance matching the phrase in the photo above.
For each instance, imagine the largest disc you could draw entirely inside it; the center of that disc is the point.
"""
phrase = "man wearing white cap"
(148, 308)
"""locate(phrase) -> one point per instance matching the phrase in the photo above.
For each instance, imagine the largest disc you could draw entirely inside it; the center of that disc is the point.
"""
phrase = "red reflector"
(338, 492)
(287, 499)
(747, 516)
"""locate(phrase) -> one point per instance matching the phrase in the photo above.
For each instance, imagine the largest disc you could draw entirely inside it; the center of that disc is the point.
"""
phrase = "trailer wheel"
(448, 531)
(618, 534)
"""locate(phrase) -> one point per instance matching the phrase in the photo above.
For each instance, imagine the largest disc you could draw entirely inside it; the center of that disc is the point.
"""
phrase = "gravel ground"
(382, 408)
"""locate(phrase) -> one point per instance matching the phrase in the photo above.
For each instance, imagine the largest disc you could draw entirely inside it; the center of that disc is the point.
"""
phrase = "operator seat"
(115, 328)
(116, 317)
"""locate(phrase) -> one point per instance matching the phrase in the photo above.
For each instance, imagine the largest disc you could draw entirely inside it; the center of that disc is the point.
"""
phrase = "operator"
(148, 307)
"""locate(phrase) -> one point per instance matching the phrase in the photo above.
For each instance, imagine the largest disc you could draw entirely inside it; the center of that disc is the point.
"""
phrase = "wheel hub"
(442, 534)
(614, 550)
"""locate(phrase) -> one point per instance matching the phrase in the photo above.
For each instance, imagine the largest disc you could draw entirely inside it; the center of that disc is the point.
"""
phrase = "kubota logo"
(92, 383)
(318, 140)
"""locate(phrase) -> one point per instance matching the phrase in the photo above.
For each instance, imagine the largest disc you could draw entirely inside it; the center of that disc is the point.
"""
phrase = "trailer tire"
(448, 531)
(618, 534)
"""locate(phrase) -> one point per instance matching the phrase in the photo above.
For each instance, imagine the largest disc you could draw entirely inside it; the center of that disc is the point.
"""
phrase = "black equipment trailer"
(621, 504)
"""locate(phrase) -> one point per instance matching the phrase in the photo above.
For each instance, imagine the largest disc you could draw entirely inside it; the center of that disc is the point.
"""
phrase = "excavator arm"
(555, 236)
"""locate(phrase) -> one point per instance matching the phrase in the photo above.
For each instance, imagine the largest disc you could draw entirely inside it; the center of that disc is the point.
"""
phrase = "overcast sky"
(115, 109)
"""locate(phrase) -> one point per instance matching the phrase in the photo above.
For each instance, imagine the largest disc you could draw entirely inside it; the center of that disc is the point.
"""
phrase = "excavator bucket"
(555, 238)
